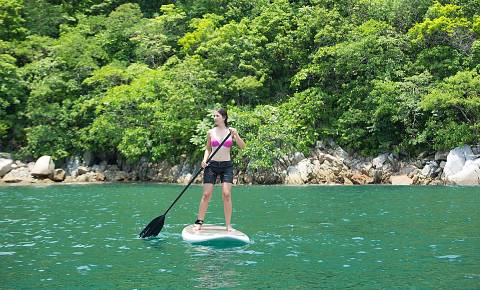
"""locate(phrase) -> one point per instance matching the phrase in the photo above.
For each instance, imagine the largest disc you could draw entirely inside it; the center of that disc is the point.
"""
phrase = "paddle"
(156, 225)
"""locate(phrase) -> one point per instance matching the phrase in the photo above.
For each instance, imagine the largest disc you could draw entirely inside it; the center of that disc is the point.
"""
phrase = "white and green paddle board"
(210, 233)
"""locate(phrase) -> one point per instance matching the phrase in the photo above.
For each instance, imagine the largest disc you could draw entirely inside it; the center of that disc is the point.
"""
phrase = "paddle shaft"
(198, 172)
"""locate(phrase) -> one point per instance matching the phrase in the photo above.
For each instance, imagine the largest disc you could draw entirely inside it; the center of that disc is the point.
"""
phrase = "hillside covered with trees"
(139, 78)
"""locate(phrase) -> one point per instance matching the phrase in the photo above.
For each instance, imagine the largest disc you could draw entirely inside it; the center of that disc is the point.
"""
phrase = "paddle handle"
(198, 172)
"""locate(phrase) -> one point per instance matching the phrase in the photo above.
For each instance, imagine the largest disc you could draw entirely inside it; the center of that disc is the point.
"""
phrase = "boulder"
(113, 175)
(82, 170)
(347, 181)
(387, 169)
(332, 159)
(441, 155)
(82, 178)
(100, 176)
(297, 157)
(266, 176)
(377, 176)
(476, 150)
(5, 155)
(359, 178)
(442, 164)
(174, 172)
(456, 160)
(21, 174)
(58, 174)
(400, 180)
(43, 167)
(20, 163)
(87, 177)
(325, 172)
(91, 176)
(340, 153)
(184, 178)
(378, 161)
(5, 166)
(469, 175)
(429, 169)
(365, 167)
(406, 169)
(392, 158)
(419, 163)
(300, 173)
(132, 176)
(99, 168)
(30, 166)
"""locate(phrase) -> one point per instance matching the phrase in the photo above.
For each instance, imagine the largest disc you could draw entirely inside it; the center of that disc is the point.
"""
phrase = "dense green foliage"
(138, 79)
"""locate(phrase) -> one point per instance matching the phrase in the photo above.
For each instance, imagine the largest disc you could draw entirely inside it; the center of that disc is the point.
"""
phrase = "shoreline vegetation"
(328, 164)
(326, 92)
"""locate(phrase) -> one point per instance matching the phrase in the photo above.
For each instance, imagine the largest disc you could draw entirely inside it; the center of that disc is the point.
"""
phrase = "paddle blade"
(153, 228)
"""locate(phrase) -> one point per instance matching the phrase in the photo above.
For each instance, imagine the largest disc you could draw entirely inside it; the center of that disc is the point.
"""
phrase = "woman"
(220, 165)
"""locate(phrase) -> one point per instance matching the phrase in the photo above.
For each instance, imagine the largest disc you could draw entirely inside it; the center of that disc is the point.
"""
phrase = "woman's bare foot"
(230, 229)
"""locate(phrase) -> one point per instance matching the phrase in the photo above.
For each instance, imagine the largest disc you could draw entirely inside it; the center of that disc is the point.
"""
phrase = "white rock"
(20, 163)
(300, 173)
(297, 157)
(442, 164)
(379, 160)
(5, 166)
(469, 175)
(44, 166)
(5, 155)
(341, 153)
(456, 160)
(429, 168)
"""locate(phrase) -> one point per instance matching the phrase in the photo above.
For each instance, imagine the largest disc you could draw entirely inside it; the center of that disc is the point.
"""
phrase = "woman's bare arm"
(208, 148)
(239, 140)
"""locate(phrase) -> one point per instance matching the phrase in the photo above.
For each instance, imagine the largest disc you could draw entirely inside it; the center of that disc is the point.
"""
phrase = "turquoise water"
(86, 236)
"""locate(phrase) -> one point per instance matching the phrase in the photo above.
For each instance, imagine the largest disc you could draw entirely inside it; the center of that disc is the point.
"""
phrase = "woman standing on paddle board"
(220, 165)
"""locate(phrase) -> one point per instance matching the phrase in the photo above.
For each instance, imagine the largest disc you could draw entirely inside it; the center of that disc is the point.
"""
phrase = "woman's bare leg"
(227, 202)
(207, 195)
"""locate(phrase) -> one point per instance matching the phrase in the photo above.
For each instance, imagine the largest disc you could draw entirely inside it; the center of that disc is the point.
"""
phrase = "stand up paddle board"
(210, 233)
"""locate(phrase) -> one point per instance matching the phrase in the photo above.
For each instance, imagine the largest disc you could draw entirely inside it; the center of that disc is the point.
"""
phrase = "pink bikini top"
(215, 142)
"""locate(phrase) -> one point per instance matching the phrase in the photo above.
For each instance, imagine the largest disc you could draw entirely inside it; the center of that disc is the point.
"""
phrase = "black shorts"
(224, 169)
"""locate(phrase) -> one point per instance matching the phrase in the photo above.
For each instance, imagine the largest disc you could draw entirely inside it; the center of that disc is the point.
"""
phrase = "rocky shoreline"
(327, 163)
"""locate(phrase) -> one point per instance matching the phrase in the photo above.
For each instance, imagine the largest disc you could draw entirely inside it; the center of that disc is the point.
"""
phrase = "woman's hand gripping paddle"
(156, 225)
